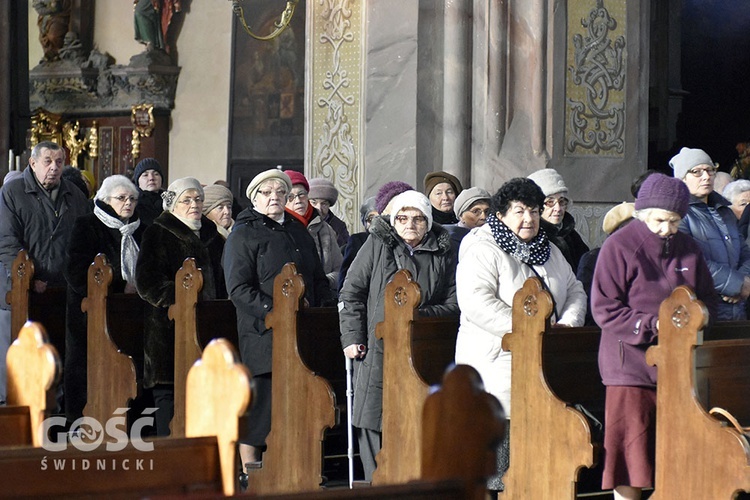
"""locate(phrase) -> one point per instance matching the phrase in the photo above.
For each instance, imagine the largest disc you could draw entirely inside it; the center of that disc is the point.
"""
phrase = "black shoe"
(243, 481)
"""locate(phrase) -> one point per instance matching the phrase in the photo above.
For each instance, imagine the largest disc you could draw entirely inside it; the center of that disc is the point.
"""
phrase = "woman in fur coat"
(181, 231)
(114, 230)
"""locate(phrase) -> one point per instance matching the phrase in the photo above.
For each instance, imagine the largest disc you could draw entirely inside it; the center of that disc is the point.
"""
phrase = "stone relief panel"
(334, 102)
(595, 83)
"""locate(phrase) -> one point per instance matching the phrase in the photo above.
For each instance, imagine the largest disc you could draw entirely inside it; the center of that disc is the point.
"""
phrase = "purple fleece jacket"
(636, 270)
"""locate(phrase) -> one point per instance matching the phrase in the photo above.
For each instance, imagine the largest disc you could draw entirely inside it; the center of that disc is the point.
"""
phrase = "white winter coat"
(487, 278)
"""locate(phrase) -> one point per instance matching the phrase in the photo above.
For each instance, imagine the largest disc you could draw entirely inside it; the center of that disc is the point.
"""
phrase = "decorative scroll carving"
(595, 97)
(336, 155)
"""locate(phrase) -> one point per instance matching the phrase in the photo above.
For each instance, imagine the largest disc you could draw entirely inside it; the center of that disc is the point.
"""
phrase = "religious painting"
(268, 81)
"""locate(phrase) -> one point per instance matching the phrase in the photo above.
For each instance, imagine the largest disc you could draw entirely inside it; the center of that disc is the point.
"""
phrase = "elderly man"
(37, 212)
(713, 225)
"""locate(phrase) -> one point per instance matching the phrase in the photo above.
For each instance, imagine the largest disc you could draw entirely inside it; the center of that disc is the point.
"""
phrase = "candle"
(18, 163)
(10, 160)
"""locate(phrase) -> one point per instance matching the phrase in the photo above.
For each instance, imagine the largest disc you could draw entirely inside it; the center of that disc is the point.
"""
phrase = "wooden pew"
(112, 378)
(550, 441)
(33, 373)
(196, 324)
(696, 456)
(47, 308)
(303, 405)
(219, 391)
(416, 350)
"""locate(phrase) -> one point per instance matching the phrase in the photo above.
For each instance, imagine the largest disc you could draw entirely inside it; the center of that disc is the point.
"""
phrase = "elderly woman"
(638, 267)
(411, 242)
(181, 231)
(494, 262)
(218, 208)
(442, 188)
(472, 207)
(323, 195)
(738, 194)
(264, 239)
(559, 225)
(114, 230)
(326, 240)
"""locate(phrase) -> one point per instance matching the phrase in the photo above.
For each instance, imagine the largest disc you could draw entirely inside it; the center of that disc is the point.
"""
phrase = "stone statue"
(152, 19)
(72, 49)
(54, 23)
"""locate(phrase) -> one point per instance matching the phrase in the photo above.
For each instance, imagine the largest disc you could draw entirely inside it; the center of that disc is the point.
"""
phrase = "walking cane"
(349, 428)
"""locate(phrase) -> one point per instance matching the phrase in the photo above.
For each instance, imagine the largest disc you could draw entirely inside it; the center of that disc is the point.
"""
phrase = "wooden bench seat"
(218, 388)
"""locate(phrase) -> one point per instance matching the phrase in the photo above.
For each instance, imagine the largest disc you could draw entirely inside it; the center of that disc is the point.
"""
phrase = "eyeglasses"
(370, 218)
(405, 219)
(478, 212)
(187, 201)
(698, 172)
(268, 192)
(320, 201)
(551, 202)
(302, 195)
(123, 199)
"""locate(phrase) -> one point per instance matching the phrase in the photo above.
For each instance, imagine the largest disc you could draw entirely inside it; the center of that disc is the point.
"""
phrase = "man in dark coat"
(37, 213)
(263, 240)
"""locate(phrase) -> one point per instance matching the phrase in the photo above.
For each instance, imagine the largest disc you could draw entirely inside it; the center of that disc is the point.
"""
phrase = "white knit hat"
(267, 175)
(688, 158)
(549, 180)
(411, 199)
(175, 190)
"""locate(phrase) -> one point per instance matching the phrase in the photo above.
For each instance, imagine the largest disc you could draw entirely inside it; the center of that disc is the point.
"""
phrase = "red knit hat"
(298, 178)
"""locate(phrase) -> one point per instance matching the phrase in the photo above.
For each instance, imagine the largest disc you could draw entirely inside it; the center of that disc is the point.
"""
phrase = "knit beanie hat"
(298, 178)
(146, 164)
(267, 175)
(323, 189)
(215, 195)
(387, 191)
(667, 193)
(411, 199)
(549, 180)
(467, 198)
(434, 178)
(175, 190)
(616, 216)
(688, 158)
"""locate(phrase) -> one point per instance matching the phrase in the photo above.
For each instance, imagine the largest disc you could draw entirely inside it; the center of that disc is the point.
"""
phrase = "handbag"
(730, 418)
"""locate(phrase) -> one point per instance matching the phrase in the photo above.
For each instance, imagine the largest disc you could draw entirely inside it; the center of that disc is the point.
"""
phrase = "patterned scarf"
(128, 246)
(533, 253)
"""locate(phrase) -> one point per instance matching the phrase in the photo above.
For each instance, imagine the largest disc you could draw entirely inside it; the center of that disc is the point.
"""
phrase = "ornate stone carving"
(336, 95)
(595, 95)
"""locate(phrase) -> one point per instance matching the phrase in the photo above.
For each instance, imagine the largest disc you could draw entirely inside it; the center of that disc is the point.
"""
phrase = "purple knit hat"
(667, 193)
(388, 191)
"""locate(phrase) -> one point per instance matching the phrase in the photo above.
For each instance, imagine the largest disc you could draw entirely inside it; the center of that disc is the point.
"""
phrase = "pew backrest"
(111, 374)
(33, 373)
(415, 350)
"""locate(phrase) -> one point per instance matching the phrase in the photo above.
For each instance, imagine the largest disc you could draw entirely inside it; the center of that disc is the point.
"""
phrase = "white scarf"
(128, 246)
(194, 225)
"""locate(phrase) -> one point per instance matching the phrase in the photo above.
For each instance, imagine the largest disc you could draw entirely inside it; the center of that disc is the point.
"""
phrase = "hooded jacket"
(432, 265)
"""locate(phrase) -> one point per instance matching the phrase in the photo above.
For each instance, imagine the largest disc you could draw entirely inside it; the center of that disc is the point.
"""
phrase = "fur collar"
(172, 224)
(438, 239)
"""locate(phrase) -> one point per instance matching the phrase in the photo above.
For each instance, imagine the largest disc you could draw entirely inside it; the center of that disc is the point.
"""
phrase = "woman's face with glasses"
(123, 203)
(554, 208)
(297, 199)
(270, 199)
(411, 225)
(700, 180)
(476, 215)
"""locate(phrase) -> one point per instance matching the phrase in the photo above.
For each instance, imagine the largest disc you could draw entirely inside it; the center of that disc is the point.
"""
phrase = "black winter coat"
(165, 245)
(29, 219)
(256, 251)
(567, 240)
(89, 237)
(150, 206)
